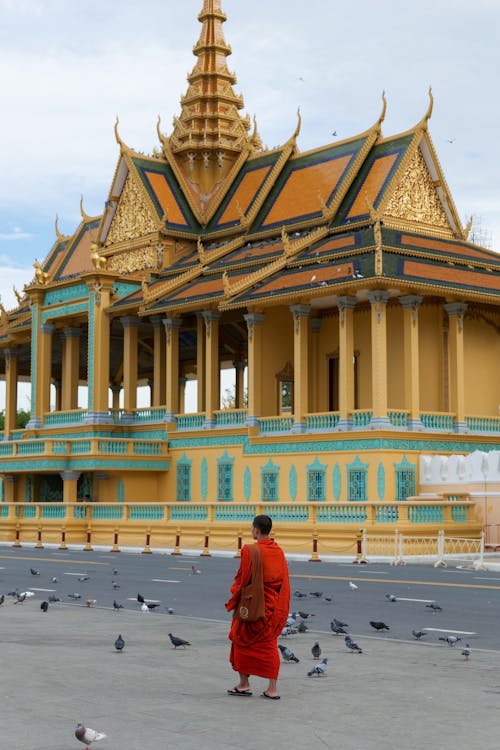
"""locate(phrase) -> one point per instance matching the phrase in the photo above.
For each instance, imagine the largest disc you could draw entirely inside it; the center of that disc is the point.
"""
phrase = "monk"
(254, 645)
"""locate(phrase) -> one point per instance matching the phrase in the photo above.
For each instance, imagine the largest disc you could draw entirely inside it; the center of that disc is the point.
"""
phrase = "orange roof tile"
(311, 275)
(450, 275)
(445, 247)
(372, 184)
(79, 258)
(245, 193)
(166, 198)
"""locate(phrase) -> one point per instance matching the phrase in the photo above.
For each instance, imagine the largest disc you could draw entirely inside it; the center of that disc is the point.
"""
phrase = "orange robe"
(254, 648)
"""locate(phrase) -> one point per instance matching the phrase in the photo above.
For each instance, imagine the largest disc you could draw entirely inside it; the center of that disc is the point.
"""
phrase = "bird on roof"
(319, 669)
(88, 735)
(176, 642)
(379, 625)
(287, 654)
(119, 643)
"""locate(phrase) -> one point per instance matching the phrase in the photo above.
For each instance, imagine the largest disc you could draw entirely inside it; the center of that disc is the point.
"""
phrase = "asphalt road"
(470, 600)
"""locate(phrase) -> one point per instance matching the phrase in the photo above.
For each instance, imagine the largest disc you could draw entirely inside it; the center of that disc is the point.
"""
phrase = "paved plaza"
(61, 667)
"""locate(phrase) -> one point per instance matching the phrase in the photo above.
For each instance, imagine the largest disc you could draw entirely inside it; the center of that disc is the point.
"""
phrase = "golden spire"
(210, 134)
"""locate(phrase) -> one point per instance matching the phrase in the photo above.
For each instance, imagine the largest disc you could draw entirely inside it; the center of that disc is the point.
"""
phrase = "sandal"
(271, 697)
(236, 691)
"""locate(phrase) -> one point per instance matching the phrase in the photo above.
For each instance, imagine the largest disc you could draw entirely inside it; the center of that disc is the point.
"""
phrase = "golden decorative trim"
(132, 219)
(134, 260)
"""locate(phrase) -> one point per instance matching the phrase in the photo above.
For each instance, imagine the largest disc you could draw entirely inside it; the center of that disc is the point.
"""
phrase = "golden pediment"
(133, 217)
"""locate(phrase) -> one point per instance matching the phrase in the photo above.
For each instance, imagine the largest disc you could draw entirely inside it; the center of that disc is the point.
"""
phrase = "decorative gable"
(415, 197)
(133, 217)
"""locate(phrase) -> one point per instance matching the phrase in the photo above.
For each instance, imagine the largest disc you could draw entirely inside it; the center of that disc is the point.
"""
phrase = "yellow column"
(11, 372)
(130, 355)
(254, 323)
(212, 366)
(456, 312)
(44, 374)
(182, 395)
(316, 324)
(410, 305)
(98, 352)
(172, 328)
(115, 391)
(200, 362)
(70, 485)
(9, 488)
(70, 368)
(239, 395)
(378, 301)
(159, 363)
(300, 366)
(346, 307)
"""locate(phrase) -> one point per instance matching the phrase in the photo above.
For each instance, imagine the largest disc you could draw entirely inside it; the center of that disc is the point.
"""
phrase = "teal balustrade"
(322, 422)
(107, 512)
(59, 446)
(483, 424)
(227, 512)
(6, 449)
(398, 418)
(61, 418)
(142, 448)
(362, 418)
(55, 510)
(4, 511)
(146, 512)
(437, 421)
(190, 422)
(269, 425)
(386, 514)
(188, 512)
(29, 511)
(459, 513)
(287, 513)
(79, 511)
(341, 513)
(231, 418)
(425, 514)
(113, 447)
(80, 446)
(151, 414)
(116, 415)
(30, 447)
(17, 434)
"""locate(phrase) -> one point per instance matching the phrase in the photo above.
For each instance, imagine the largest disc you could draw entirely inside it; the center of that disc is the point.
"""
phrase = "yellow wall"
(277, 350)
(430, 318)
(395, 357)
(362, 344)
(481, 355)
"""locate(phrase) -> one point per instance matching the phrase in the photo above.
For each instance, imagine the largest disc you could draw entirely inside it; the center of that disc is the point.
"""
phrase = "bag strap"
(255, 553)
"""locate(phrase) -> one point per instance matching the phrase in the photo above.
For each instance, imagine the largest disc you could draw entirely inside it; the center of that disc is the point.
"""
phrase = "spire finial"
(425, 120)
(84, 215)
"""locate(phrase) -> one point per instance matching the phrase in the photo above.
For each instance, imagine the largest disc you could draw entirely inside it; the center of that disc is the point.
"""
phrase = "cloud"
(13, 236)
(11, 276)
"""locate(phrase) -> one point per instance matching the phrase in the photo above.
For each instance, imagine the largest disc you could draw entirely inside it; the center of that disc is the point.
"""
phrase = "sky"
(68, 69)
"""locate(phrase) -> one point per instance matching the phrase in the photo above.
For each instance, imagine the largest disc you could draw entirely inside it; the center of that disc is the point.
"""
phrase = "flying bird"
(352, 586)
(466, 652)
(450, 639)
(352, 646)
(117, 606)
(176, 642)
(337, 629)
(391, 597)
(316, 650)
(119, 643)
(334, 133)
(451, 140)
(418, 634)
(319, 669)
(34, 572)
(287, 654)
(378, 625)
(88, 735)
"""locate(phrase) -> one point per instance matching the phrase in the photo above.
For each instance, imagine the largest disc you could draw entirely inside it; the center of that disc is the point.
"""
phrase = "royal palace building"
(338, 288)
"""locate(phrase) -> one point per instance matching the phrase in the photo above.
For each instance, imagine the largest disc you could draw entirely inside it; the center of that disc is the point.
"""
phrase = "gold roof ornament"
(18, 296)
(60, 236)
(41, 277)
(98, 261)
(467, 228)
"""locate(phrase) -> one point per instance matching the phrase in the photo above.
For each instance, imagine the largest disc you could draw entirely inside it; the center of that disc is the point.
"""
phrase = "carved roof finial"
(425, 119)
(202, 256)
(84, 215)
(384, 110)
(120, 142)
(60, 236)
(468, 228)
(227, 285)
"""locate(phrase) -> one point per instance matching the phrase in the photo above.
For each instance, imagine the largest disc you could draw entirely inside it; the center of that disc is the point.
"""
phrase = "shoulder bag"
(251, 606)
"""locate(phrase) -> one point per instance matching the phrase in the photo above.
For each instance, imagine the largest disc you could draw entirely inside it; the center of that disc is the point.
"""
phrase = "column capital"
(300, 311)
(115, 388)
(72, 332)
(239, 365)
(378, 297)
(211, 316)
(130, 321)
(156, 321)
(253, 320)
(172, 324)
(345, 303)
(48, 328)
(68, 476)
(457, 310)
(411, 302)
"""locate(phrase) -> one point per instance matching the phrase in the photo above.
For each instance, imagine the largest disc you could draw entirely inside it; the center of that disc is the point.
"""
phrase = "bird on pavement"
(53, 598)
(319, 669)
(90, 602)
(88, 735)
(117, 606)
(2, 599)
(291, 619)
(434, 606)
(54, 579)
(418, 634)
(378, 625)
(195, 571)
(115, 571)
(351, 645)
(84, 578)
(34, 572)
(140, 598)
(305, 615)
(115, 585)
(340, 624)
(288, 630)
(302, 627)
(466, 652)
(20, 598)
(176, 642)
(391, 597)
(450, 639)
(328, 598)
(287, 654)
(352, 586)
(317, 594)
(119, 643)
(299, 594)
(337, 629)
(316, 650)
(44, 606)
(170, 610)
(152, 605)
(75, 595)
(144, 607)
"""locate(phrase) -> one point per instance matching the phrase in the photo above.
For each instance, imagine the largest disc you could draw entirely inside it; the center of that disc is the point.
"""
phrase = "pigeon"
(75, 595)
(466, 652)
(288, 630)
(88, 735)
(20, 598)
(115, 571)
(391, 597)
(418, 634)
(299, 594)
(44, 606)
(379, 625)
(27, 594)
(53, 598)
(352, 586)
(195, 571)
(170, 610)
(152, 605)
(291, 619)
(84, 578)
(328, 598)
(90, 602)
(144, 607)
(34, 572)
(305, 615)
(316, 650)
(140, 598)
(287, 655)
(352, 646)
(302, 627)
(54, 579)
(340, 624)
(319, 669)
(115, 585)
(435, 607)
(317, 594)
(450, 639)
(337, 629)
(176, 642)
(117, 606)
(119, 643)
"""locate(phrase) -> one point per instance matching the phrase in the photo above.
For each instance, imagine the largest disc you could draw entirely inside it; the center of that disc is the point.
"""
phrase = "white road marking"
(483, 578)
(151, 601)
(450, 630)
(404, 599)
(34, 589)
(164, 580)
(75, 574)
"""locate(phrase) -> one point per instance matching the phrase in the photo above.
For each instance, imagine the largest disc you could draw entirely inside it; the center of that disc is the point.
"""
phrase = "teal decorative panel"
(381, 481)
(56, 296)
(287, 513)
(316, 481)
(183, 479)
(121, 491)
(189, 513)
(244, 514)
(425, 514)
(269, 477)
(386, 513)
(406, 479)
(247, 484)
(59, 312)
(357, 480)
(204, 479)
(292, 483)
(121, 289)
(57, 510)
(107, 512)
(341, 514)
(337, 482)
(146, 513)
(225, 477)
